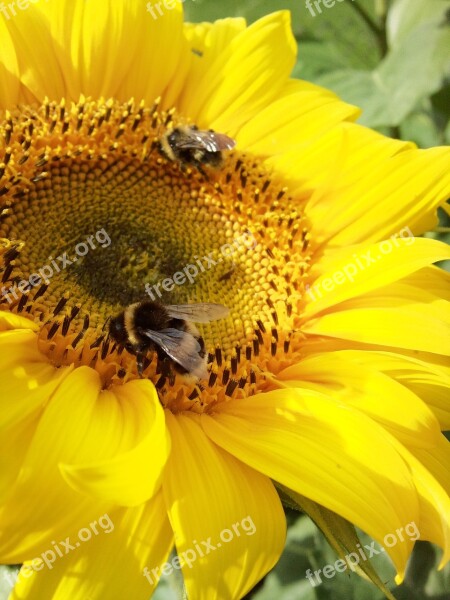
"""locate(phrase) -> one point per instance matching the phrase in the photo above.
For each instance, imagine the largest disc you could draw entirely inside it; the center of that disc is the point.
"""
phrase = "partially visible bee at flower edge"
(189, 145)
(167, 330)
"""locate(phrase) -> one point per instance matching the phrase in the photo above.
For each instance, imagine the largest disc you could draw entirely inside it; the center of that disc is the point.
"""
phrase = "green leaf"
(340, 534)
(337, 38)
(447, 134)
(362, 89)
(8, 576)
(421, 127)
(275, 588)
(392, 91)
(315, 59)
(406, 15)
(441, 106)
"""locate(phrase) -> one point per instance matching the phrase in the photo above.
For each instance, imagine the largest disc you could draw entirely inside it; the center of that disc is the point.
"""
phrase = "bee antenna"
(105, 323)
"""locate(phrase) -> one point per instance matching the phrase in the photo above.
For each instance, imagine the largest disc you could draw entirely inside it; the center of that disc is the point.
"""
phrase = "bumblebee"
(167, 330)
(188, 145)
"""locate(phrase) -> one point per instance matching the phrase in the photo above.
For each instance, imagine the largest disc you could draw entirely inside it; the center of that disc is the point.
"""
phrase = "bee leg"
(198, 164)
(140, 359)
(156, 145)
(165, 367)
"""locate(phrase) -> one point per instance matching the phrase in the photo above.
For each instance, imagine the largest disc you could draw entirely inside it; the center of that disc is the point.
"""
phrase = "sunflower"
(328, 377)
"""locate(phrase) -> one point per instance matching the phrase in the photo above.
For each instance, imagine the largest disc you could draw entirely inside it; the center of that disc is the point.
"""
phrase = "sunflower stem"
(379, 29)
(380, 32)
(381, 9)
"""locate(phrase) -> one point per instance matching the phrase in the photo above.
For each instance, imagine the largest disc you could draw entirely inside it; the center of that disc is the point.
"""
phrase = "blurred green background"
(391, 58)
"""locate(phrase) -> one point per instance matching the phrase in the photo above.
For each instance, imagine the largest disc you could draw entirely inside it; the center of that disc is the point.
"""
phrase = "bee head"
(117, 329)
(173, 139)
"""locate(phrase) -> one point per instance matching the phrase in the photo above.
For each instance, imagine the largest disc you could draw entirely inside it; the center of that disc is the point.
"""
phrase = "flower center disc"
(94, 218)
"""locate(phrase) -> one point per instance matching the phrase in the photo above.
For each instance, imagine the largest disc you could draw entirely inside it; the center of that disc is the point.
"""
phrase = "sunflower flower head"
(233, 236)
(327, 377)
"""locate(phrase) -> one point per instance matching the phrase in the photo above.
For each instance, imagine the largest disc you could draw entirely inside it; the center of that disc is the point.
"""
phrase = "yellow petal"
(37, 62)
(434, 279)
(437, 461)
(402, 413)
(12, 321)
(368, 268)
(27, 387)
(25, 392)
(81, 425)
(158, 41)
(329, 453)
(18, 347)
(103, 49)
(27, 382)
(371, 197)
(435, 393)
(130, 478)
(9, 70)
(406, 190)
(228, 520)
(92, 37)
(387, 324)
(247, 77)
(206, 42)
(108, 565)
(434, 506)
(331, 164)
(292, 120)
(428, 381)
(40, 501)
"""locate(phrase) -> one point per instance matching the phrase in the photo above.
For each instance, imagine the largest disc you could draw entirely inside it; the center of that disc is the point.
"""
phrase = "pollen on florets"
(94, 218)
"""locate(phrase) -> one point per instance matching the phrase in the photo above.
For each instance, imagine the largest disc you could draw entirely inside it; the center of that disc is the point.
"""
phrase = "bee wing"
(213, 141)
(192, 141)
(182, 347)
(206, 140)
(203, 312)
(223, 142)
